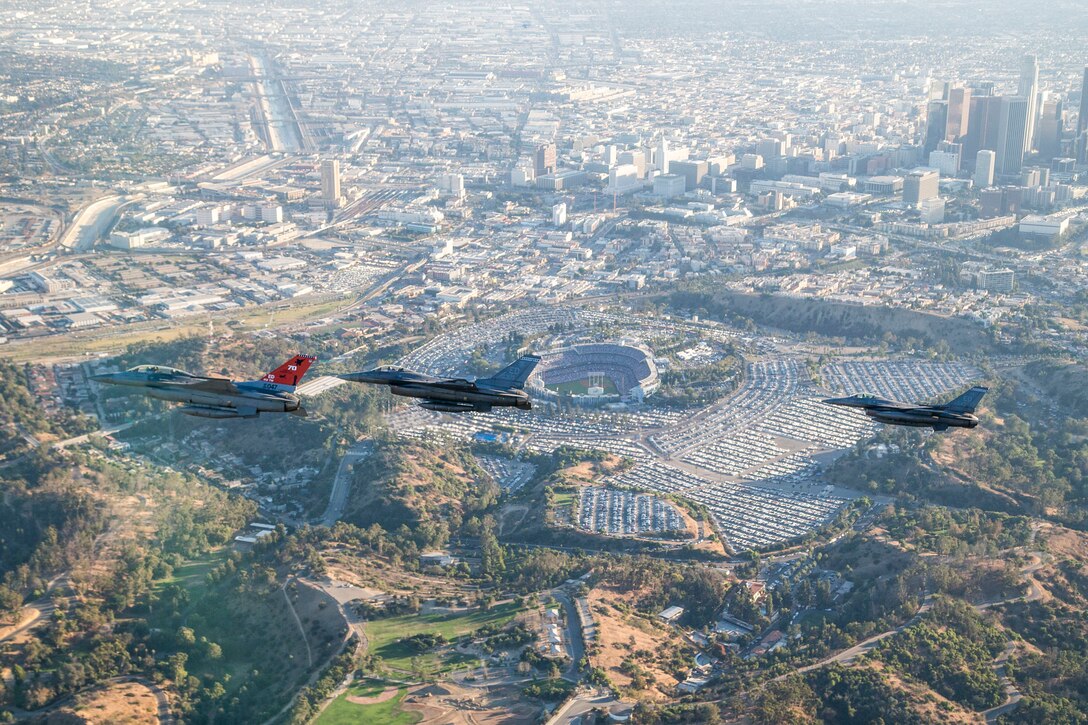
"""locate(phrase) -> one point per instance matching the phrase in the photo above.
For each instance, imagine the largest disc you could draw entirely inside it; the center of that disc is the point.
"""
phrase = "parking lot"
(608, 511)
(509, 473)
(751, 457)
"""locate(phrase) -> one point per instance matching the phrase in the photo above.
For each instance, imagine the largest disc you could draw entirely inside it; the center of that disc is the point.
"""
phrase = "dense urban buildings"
(706, 218)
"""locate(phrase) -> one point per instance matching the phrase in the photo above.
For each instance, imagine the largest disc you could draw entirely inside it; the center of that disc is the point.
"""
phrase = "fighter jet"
(960, 413)
(213, 397)
(457, 395)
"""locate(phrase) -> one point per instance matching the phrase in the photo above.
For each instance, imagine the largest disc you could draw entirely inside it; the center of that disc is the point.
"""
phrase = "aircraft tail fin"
(287, 376)
(515, 374)
(967, 402)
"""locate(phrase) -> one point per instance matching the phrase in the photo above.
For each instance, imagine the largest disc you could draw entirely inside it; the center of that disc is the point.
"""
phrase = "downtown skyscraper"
(1028, 88)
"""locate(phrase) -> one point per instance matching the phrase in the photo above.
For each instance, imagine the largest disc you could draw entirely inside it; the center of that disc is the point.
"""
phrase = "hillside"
(854, 323)
(427, 487)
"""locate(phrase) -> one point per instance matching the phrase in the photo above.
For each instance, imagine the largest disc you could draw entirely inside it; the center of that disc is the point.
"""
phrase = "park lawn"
(342, 712)
(191, 574)
(564, 497)
(384, 635)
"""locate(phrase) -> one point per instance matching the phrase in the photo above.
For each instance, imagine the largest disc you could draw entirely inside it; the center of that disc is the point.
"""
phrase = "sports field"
(374, 702)
(581, 387)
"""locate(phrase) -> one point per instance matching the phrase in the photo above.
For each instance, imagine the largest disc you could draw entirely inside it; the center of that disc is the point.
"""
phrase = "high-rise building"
(330, 182)
(921, 184)
(623, 178)
(999, 201)
(982, 125)
(996, 280)
(1048, 129)
(958, 115)
(452, 185)
(692, 171)
(947, 158)
(545, 159)
(669, 185)
(1012, 127)
(1082, 119)
(936, 123)
(559, 215)
(984, 168)
(1028, 88)
(634, 158)
(662, 159)
(271, 213)
(931, 211)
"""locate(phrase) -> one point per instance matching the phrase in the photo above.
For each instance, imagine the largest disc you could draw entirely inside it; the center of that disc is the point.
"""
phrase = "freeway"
(282, 132)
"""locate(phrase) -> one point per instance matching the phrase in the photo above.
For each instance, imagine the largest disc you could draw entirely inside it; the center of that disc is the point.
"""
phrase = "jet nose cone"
(103, 378)
(837, 401)
(363, 376)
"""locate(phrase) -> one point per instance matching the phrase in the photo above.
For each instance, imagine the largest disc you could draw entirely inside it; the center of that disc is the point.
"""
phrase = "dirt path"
(301, 631)
(384, 696)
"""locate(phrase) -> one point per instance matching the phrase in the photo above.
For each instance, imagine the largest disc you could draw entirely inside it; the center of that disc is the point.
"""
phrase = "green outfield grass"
(343, 712)
(581, 387)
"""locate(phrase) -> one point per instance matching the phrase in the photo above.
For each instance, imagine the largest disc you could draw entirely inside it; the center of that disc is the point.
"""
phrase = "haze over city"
(652, 362)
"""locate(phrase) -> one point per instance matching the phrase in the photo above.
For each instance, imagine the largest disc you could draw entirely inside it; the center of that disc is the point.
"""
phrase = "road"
(575, 646)
(1012, 694)
(41, 608)
(341, 484)
(165, 714)
(579, 706)
(847, 656)
(101, 432)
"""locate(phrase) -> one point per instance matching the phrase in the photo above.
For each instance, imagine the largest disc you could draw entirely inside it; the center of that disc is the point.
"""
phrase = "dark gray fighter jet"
(960, 413)
(457, 395)
(211, 397)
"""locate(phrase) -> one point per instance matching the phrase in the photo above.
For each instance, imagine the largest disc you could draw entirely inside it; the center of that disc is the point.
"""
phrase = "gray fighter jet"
(211, 397)
(960, 413)
(457, 395)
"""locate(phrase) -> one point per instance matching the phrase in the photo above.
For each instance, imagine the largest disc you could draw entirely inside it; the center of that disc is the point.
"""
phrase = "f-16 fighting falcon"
(457, 395)
(960, 413)
(213, 397)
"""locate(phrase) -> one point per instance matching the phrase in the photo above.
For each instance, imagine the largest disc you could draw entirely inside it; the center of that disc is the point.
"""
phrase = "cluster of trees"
(311, 697)
(699, 713)
(51, 523)
(950, 651)
(691, 388)
(702, 592)
(550, 690)
(957, 532)
(833, 694)
(1054, 681)
(427, 487)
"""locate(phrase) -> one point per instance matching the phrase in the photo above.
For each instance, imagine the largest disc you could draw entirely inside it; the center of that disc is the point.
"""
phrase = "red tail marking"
(291, 371)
